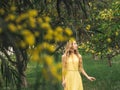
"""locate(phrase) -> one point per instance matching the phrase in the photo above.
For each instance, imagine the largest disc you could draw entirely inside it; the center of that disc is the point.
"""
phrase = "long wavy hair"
(69, 49)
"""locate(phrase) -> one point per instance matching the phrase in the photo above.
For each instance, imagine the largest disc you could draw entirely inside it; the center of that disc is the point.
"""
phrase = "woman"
(71, 65)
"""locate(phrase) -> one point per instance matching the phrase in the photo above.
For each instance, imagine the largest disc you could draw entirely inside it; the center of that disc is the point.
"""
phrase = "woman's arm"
(63, 70)
(87, 76)
(63, 67)
(83, 71)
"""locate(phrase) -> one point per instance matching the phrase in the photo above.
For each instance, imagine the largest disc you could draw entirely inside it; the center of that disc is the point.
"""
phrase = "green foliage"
(105, 27)
(95, 24)
(107, 78)
(31, 37)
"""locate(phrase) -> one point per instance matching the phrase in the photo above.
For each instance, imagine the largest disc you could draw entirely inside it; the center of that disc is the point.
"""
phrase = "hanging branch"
(81, 5)
(9, 59)
(67, 4)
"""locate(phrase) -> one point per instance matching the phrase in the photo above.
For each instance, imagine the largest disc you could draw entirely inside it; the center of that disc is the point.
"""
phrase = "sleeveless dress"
(73, 77)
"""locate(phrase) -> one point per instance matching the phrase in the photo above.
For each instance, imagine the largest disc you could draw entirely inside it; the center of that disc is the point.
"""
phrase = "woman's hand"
(63, 83)
(91, 78)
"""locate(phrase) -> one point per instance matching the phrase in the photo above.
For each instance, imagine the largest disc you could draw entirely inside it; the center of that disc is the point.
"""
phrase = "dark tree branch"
(9, 59)
(82, 6)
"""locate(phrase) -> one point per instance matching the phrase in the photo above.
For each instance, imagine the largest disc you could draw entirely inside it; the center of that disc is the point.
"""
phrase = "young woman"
(71, 65)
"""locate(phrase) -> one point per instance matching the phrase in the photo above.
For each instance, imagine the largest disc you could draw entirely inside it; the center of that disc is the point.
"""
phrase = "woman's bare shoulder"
(80, 56)
(63, 56)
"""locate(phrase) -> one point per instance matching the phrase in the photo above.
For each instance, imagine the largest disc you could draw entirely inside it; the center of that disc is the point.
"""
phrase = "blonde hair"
(69, 49)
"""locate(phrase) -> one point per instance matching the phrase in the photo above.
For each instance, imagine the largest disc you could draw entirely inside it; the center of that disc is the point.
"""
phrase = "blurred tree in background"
(37, 29)
(104, 29)
(24, 35)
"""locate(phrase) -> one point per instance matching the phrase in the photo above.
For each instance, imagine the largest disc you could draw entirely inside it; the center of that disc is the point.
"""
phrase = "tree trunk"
(21, 62)
(109, 60)
(23, 80)
(95, 57)
(21, 67)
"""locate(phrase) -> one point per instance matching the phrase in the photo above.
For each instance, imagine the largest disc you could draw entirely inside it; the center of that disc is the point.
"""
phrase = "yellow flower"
(12, 27)
(90, 4)
(99, 53)
(48, 37)
(92, 35)
(59, 30)
(106, 14)
(35, 55)
(32, 22)
(10, 17)
(32, 13)
(59, 65)
(55, 70)
(117, 46)
(79, 46)
(87, 50)
(28, 37)
(49, 59)
(47, 19)
(48, 46)
(21, 17)
(68, 31)
(109, 40)
(39, 20)
(19, 27)
(88, 27)
(58, 37)
(117, 2)
(116, 33)
(45, 45)
(25, 32)
(83, 45)
(45, 25)
(92, 51)
(51, 48)
(109, 50)
(72, 39)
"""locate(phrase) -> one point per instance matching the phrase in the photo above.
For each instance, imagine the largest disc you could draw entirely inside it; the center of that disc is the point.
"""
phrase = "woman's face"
(75, 46)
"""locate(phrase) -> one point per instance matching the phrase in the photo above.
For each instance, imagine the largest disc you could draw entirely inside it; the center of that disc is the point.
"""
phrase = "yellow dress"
(73, 77)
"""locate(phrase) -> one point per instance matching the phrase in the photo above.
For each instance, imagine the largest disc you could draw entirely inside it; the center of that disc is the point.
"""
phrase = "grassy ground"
(107, 78)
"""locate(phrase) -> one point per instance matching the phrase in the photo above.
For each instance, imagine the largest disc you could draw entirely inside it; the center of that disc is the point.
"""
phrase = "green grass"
(34, 74)
(107, 78)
